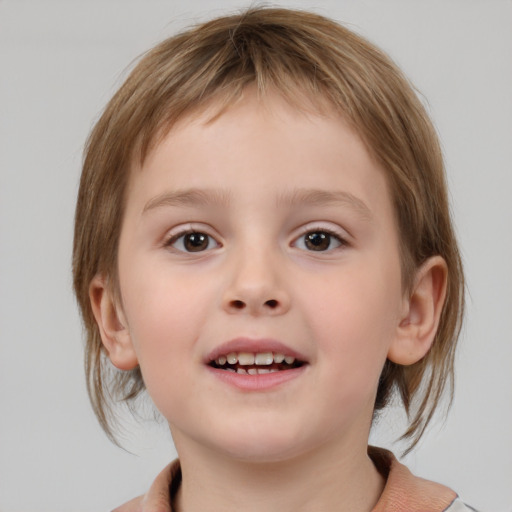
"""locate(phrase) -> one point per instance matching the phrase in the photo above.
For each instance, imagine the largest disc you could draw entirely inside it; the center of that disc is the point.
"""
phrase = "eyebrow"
(207, 197)
(188, 197)
(318, 197)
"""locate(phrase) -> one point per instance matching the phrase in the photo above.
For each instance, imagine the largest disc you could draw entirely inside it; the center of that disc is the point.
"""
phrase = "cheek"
(354, 322)
(165, 313)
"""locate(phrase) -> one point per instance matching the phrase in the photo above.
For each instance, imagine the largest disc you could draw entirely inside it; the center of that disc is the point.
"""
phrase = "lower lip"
(259, 382)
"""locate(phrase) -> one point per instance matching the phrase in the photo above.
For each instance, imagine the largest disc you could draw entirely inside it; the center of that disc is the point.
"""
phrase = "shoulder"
(405, 492)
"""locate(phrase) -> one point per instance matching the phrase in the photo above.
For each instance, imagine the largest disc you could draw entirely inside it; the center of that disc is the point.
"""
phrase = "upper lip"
(254, 346)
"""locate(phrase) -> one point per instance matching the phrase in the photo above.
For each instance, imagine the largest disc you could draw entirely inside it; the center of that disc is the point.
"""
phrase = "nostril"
(238, 304)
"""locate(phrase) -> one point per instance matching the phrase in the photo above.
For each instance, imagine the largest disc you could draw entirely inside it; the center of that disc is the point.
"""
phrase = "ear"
(421, 313)
(112, 325)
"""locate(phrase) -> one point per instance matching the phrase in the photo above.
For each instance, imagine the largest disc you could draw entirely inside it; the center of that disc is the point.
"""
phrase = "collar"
(403, 491)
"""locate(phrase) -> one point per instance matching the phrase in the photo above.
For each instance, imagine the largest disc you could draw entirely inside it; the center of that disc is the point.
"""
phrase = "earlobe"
(422, 311)
(114, 332)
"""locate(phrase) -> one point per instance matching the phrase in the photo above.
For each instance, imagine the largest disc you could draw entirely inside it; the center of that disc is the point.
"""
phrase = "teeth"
(242, 371)
(263, 370)
(264, 358)
(232, 370)
(278, 358)
(245, 358)
(252, 371)
(249, 359)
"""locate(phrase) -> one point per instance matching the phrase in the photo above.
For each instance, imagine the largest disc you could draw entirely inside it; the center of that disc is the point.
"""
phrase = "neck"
(343, 480)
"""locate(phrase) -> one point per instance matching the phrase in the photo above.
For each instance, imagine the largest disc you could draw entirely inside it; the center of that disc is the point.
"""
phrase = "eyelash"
(174, 239)
(202, 236)
(339, 240)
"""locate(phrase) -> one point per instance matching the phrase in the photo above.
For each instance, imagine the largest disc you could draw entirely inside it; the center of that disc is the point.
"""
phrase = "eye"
(319, 240)
(192, 241)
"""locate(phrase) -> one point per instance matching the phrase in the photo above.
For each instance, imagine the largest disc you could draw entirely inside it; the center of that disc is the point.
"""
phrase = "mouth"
(255, 363)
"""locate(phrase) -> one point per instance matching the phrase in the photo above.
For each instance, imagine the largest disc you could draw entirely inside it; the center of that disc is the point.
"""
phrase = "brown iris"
(318, 241)
(195, 242)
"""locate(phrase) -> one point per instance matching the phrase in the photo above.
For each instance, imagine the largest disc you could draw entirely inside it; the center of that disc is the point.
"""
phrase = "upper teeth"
(260, 358)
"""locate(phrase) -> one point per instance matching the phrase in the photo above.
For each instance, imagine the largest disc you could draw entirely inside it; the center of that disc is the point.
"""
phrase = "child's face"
(295, 251)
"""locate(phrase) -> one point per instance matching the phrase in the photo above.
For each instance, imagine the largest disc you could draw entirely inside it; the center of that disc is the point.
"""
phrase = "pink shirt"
(403, 491)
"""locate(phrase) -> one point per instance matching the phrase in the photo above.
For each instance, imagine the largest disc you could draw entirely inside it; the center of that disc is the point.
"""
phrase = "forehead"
(261, 144)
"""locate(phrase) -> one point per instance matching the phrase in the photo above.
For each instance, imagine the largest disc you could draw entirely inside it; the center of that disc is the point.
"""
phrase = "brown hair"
(295, 53)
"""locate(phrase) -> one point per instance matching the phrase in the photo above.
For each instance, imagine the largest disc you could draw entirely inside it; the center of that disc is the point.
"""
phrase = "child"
(263, 241)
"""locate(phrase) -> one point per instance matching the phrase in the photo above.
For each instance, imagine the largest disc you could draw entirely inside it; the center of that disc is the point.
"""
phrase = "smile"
(247, 363)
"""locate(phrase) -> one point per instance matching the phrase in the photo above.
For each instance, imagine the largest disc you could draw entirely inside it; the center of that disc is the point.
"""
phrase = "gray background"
(60, 61)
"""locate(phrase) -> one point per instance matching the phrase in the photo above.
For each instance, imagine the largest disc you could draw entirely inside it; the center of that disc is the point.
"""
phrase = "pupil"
(195, 242)
(318, 241)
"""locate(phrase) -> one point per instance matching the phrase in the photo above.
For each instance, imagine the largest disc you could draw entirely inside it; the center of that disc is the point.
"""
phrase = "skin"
(264, 176)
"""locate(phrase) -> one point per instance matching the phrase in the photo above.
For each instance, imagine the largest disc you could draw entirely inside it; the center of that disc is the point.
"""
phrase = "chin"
(261, 445)
(269, 437)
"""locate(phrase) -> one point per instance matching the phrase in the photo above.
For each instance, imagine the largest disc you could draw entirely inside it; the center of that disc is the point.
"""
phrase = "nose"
(256, 285)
